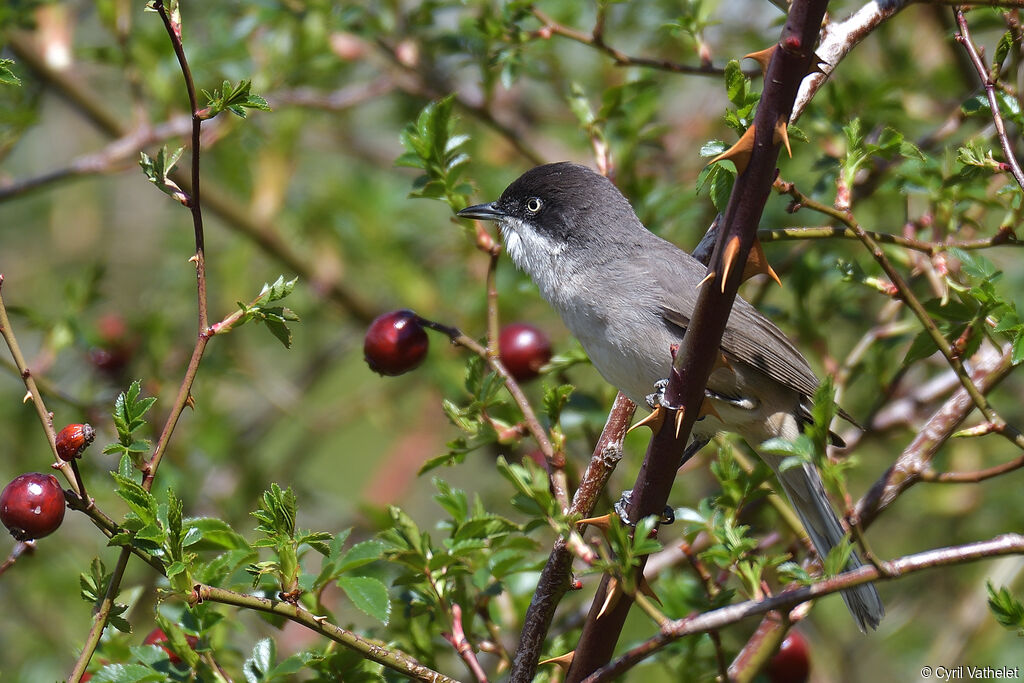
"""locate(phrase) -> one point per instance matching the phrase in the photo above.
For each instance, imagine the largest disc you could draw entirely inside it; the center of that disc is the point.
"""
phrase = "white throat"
(539, 256)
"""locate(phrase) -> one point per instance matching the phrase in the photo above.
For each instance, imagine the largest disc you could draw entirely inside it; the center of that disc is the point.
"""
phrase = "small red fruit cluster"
(73, 440)
(791, 664)
(32, 506)
(523, 350)
(395, 343)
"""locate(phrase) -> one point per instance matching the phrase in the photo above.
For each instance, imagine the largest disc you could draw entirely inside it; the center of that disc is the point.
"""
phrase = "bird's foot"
(668, 515)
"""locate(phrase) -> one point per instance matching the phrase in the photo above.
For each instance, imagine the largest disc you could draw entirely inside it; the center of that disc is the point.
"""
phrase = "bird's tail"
(806, 492)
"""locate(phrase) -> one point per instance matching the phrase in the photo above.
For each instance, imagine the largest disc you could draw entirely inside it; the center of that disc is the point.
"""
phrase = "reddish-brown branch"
(964, 38)
(699, 348)
(554, 579)
(595, 39)
(458, 640)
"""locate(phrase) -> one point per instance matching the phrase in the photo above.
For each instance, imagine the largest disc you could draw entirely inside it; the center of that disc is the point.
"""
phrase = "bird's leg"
(668, 515)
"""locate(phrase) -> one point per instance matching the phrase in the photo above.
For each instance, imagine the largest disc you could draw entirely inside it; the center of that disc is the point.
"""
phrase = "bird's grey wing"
(749, 336)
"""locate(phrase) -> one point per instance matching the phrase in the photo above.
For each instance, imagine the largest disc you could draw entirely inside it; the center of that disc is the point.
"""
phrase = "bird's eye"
(533, 204)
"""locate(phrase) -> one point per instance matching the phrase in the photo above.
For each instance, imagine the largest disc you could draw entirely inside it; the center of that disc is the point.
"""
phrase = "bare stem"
(1005, 236)
(45, 416)
(556, 460)
(988, 81)
(595, 39)
(20, 548)
(373, 650)
(461, 644)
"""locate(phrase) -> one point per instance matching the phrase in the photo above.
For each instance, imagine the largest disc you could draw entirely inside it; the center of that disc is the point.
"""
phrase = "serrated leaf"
(7, 76)
(259, 663)
(127, 673)
(369, 595)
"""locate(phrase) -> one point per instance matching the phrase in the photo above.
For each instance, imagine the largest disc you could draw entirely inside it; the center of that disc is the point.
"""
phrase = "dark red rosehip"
(32, 506)
(158, 637)
(524, 350)
(74, 439)
(792, 663)
(395, 343)
(115, 348)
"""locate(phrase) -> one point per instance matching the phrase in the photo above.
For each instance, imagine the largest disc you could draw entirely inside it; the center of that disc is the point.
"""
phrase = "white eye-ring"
(533, 204)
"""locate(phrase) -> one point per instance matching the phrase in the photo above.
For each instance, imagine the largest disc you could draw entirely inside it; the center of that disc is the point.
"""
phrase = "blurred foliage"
(374, 106)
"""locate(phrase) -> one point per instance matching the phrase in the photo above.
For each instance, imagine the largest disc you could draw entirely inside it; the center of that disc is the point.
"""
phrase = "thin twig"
(261, 231)
(907, 295)
(373, 650)
(554, 579)
(964, 38)
(556, 459)
(550, 27)
(1006, 544)
(45, 416)
(460, 642)
(20, 548)
(173, 28)
(1004, 236)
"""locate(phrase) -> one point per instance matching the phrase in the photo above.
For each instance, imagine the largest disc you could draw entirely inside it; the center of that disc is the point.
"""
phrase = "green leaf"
(432, 146)
(217, 533)
(555, 399)
(360, 554)
(7, 76)
(157, 170)
(141, 501)
(1008, 611)
(233, 98)
(127, 673)
(259, 663)
(838, 557)
(369, 595)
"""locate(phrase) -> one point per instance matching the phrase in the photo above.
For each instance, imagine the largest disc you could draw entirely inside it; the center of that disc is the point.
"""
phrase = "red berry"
(74, 439)
(791, 664)
(158, 637)
(32, 506)
(395, 343)
(115, 348)
(524, 350)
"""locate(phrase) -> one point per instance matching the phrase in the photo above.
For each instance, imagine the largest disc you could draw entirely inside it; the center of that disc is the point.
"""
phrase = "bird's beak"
(483, 212)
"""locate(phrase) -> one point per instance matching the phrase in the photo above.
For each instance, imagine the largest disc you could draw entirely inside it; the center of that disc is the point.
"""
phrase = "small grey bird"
(628, 295)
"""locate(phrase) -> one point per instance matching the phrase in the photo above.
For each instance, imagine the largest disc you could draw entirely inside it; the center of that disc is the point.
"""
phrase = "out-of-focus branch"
(1007, 544)
(838, 39)
(235, 216)
(550, 27)
(989, 367)
(1004, 236)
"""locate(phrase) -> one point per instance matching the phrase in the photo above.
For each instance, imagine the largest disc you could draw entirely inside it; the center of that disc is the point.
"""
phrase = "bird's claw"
(668, 515)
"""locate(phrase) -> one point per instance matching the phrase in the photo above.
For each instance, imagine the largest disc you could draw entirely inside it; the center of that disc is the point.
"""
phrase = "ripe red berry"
(32, 506)
(158, 637)
(524, 350)
(74, 439)
(791, 664)
(395, 343)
